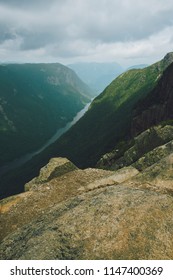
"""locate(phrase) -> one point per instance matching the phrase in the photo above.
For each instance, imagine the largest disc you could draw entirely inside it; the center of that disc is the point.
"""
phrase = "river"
(22, 160)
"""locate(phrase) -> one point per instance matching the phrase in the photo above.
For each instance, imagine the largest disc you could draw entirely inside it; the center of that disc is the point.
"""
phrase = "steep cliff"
(157, 106)
(109, 118)
(153, 116)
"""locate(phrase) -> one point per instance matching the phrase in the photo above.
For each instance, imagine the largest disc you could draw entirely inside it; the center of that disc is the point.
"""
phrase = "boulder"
(55, 168)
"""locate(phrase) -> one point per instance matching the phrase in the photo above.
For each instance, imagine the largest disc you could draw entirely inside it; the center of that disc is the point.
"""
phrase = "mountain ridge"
(97, 132)
(109, 117)
(121, 209)
(41, 97)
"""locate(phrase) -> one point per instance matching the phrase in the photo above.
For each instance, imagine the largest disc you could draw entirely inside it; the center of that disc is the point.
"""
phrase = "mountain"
(109, 118)
(151, 127)
(108, 126)
(97, 75)
(35, 101)
(138, 66)
(121, 209)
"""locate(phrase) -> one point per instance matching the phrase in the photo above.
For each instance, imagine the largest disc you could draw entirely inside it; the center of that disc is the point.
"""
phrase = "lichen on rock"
(146, 149)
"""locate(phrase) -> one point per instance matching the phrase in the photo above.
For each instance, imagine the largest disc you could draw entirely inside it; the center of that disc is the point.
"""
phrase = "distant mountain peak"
(97, 75)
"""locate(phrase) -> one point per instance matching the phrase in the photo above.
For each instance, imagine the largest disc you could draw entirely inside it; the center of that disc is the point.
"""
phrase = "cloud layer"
(66, 31)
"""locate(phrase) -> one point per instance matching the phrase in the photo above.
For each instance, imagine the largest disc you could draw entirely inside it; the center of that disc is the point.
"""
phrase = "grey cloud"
(34, 40)
(126, 24)
(6, 33)
(69, 28)
(75, 49)
(105, 21)
(27, 3)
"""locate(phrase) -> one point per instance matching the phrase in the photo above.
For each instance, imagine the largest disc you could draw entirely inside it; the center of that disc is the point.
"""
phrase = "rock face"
(157, 107)
(92, 214)
(146, 149)
(55, 168)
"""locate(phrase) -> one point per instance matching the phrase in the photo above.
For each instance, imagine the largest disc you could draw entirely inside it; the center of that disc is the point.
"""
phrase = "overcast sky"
(125, 31)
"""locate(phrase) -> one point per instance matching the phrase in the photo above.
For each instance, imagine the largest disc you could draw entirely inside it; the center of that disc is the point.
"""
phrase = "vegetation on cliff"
(108, 120)
(124, 212)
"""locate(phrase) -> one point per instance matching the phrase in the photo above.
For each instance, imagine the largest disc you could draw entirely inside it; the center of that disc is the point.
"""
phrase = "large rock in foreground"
(113, 223)
(93, 214)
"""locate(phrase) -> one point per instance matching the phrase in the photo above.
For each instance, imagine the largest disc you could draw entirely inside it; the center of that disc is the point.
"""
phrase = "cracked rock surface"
(92, 214)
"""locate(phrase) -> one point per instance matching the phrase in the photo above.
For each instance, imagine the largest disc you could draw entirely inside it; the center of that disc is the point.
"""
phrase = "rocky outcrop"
(55, 168)
(21, 209)
(146, 149)
(153, 156)
(92, 214)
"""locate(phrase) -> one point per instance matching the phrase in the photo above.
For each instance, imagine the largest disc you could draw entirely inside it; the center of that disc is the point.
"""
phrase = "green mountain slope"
(109, 118)
(36, 100)
(110, 124)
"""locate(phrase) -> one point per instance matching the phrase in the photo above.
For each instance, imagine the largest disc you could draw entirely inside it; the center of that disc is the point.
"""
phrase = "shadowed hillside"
(35, 101)
(120, 210)
(108, 120)
(106, 127)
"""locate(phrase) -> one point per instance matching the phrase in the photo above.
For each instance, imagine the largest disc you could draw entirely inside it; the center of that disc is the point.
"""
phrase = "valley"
(103, 189)
(24, 159)
(35, 101)
(110, 120)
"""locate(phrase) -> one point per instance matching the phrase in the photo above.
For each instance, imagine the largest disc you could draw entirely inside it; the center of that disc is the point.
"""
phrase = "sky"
(128, 32)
